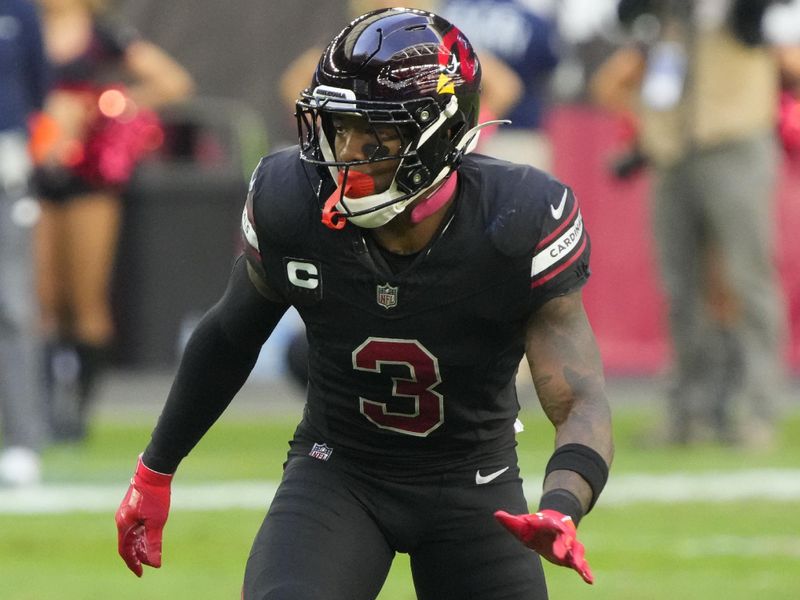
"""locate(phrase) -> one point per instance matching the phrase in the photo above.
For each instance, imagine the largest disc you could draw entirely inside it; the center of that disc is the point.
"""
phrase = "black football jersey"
(416, 368)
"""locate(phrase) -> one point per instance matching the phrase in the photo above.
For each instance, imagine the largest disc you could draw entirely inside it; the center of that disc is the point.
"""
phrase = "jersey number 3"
(415, 408)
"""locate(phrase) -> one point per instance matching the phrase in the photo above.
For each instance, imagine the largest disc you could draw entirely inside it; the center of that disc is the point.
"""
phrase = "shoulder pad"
(282, 196)
(526, 205)
(563, 245)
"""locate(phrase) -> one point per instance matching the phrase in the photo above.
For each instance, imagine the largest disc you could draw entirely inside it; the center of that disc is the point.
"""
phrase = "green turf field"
(705, 549)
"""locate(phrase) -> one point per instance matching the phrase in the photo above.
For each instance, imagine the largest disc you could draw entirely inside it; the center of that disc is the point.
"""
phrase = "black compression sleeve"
(218, 358)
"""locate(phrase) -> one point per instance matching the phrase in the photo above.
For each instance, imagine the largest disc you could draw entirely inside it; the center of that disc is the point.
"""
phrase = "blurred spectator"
(23, 86)
(195, 31)
(527, 43)
(703, 84)
(107, 81)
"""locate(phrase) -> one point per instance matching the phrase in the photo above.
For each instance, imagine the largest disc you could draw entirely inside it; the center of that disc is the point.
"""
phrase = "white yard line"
(713, 486)
(767, 484)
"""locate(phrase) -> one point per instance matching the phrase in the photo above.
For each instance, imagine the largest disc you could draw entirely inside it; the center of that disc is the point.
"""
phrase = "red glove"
(141, 517)
(550, 534)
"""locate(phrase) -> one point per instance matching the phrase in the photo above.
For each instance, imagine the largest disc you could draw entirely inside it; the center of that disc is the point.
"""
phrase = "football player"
(423, 273)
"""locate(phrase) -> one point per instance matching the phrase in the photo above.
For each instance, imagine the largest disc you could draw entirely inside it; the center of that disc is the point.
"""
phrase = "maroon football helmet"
(403, 68)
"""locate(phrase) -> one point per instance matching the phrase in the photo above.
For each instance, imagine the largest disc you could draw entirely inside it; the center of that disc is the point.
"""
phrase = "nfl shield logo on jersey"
(387, 296)
(321, 451)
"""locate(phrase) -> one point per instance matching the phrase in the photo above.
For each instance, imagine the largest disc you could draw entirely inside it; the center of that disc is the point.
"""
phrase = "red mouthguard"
(358, 185)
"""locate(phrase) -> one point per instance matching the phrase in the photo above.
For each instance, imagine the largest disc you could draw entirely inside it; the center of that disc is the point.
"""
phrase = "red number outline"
(427, 412)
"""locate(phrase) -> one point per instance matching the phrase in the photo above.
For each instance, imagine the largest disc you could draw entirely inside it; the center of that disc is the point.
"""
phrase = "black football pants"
(332, 531)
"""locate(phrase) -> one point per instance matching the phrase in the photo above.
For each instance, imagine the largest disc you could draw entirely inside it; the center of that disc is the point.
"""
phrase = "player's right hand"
(552, 535)
(141, 517)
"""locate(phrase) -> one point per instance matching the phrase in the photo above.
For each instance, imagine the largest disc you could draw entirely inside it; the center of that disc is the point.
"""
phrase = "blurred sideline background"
(184, 206)
(732, 538)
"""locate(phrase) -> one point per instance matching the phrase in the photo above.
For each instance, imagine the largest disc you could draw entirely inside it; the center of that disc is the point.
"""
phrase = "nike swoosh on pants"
(482, 479)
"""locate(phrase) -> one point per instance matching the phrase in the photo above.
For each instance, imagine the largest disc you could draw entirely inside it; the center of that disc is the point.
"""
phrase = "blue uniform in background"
(23, 86)
(529, 44)
(23, 66)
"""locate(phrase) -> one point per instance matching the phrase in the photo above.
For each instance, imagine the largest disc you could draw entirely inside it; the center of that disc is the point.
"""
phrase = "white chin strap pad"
(376, 218)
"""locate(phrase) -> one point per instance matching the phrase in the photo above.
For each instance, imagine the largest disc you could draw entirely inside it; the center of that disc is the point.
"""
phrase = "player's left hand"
(552, 535)
(141, 517)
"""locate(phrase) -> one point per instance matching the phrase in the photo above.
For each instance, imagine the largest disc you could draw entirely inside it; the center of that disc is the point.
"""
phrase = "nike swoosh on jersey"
(559, 210)
(482, 479)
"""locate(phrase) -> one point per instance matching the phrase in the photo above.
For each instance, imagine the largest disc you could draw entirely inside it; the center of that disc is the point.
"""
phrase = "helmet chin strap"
(359, 188)
(380, 216)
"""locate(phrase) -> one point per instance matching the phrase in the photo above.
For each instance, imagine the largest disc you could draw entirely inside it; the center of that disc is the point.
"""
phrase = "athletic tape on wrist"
(584, 461)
